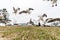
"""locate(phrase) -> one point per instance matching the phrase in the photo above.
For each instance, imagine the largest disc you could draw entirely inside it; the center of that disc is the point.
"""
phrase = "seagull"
(26, 11)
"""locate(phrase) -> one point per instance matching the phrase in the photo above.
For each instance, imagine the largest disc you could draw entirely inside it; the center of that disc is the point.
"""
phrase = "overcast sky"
(40, 7)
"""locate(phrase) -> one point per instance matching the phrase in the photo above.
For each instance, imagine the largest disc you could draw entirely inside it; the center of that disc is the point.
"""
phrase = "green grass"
(31, 33)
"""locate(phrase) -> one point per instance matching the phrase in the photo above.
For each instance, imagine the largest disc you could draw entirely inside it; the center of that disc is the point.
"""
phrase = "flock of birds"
(41, 18)
(48, 20)
(28, 11)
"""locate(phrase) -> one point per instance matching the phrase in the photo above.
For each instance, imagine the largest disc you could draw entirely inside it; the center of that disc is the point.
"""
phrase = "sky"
(40, 7)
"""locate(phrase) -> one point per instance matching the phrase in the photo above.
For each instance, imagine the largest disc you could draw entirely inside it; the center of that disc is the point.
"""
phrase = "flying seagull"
(41, 17)
(26, 11)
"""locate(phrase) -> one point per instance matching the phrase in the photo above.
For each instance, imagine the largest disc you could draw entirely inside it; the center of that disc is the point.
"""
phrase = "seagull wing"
(31, 9)
(15, 10)
(23, 12)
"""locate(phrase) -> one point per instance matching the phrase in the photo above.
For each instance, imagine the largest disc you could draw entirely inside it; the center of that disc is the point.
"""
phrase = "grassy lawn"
(30, 33)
